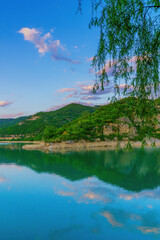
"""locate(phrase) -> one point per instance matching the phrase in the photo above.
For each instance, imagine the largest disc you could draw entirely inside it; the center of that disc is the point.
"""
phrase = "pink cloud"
(84, 91)
(94, 97)
(56, 107)
(63, 90)
(81, 82)
(44, 44)
(5, 103)
(123, 86)
(86, 87)
(71, 95)
(12, 115)
(109, 66)
(108, 69)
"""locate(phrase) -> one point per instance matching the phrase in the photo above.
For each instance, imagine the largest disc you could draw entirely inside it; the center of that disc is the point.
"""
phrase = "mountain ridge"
(35, 124)
(77, 122)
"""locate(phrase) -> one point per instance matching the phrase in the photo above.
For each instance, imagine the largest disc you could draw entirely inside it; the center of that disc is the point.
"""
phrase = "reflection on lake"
(79, 195)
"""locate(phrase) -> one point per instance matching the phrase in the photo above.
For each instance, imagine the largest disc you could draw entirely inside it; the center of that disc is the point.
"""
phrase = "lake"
(94, 195)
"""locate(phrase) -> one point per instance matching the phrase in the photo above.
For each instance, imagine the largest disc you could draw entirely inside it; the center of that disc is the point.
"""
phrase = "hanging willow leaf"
(130, 42)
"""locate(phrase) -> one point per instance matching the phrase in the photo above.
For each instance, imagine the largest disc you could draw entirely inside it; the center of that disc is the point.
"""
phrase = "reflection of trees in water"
(134, 210)
(134, 171)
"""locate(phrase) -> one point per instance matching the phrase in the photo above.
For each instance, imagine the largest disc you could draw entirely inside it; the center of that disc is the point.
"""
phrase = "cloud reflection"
(2, 179)
(146, 230)
(116, 204)
(111, 219)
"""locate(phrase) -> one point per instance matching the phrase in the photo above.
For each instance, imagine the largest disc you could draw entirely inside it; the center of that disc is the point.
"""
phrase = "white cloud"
(44, 44)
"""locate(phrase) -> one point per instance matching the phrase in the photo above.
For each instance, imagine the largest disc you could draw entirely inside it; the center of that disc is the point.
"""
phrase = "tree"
(49, 132)
(129, 49)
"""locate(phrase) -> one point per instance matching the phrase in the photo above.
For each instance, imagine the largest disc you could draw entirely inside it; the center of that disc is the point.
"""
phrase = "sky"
(45, 56)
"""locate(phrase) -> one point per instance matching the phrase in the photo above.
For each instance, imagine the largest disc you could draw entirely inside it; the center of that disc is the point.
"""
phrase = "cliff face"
(123, 126)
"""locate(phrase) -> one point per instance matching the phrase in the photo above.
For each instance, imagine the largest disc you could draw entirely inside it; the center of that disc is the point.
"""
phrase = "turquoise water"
(79, 195)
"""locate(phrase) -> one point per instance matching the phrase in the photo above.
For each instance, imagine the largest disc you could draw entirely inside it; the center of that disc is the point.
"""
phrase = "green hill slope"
(78, 122)
(34, 125)
(115, 120)
(10, 121)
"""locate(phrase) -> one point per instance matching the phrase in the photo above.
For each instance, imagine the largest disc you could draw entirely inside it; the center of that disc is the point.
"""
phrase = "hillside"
(78, 122)
(115, 120)
(11, 121)
(34, 126)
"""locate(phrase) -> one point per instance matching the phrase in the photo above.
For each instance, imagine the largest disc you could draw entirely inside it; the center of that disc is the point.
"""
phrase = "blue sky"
(45, 51)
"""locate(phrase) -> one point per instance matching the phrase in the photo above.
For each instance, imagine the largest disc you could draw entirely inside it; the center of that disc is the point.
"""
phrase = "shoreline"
(80, 146)
(86, 146)
(7, 141)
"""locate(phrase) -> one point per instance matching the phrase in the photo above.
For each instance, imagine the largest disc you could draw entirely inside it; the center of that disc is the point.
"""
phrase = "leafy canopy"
(128, 49)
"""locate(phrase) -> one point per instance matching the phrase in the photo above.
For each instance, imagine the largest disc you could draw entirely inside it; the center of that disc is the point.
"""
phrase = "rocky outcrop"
(123, 126)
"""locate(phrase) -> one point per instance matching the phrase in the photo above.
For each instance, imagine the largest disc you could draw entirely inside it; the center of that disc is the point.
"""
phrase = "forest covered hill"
(33, 126)
(11, 121)
(78, 122)
(112, 121)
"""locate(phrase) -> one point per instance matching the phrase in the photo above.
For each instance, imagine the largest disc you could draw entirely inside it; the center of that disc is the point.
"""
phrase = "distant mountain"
(35, 124)
(10, 121)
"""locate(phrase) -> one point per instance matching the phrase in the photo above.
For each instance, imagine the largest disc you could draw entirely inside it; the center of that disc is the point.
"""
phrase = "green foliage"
(91, 126)
(49, 132)
(129, 45)
(68, 125)
(33, 127)
(10, 121)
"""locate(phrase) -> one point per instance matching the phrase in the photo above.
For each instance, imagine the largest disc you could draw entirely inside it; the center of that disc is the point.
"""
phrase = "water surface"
(79, 195)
